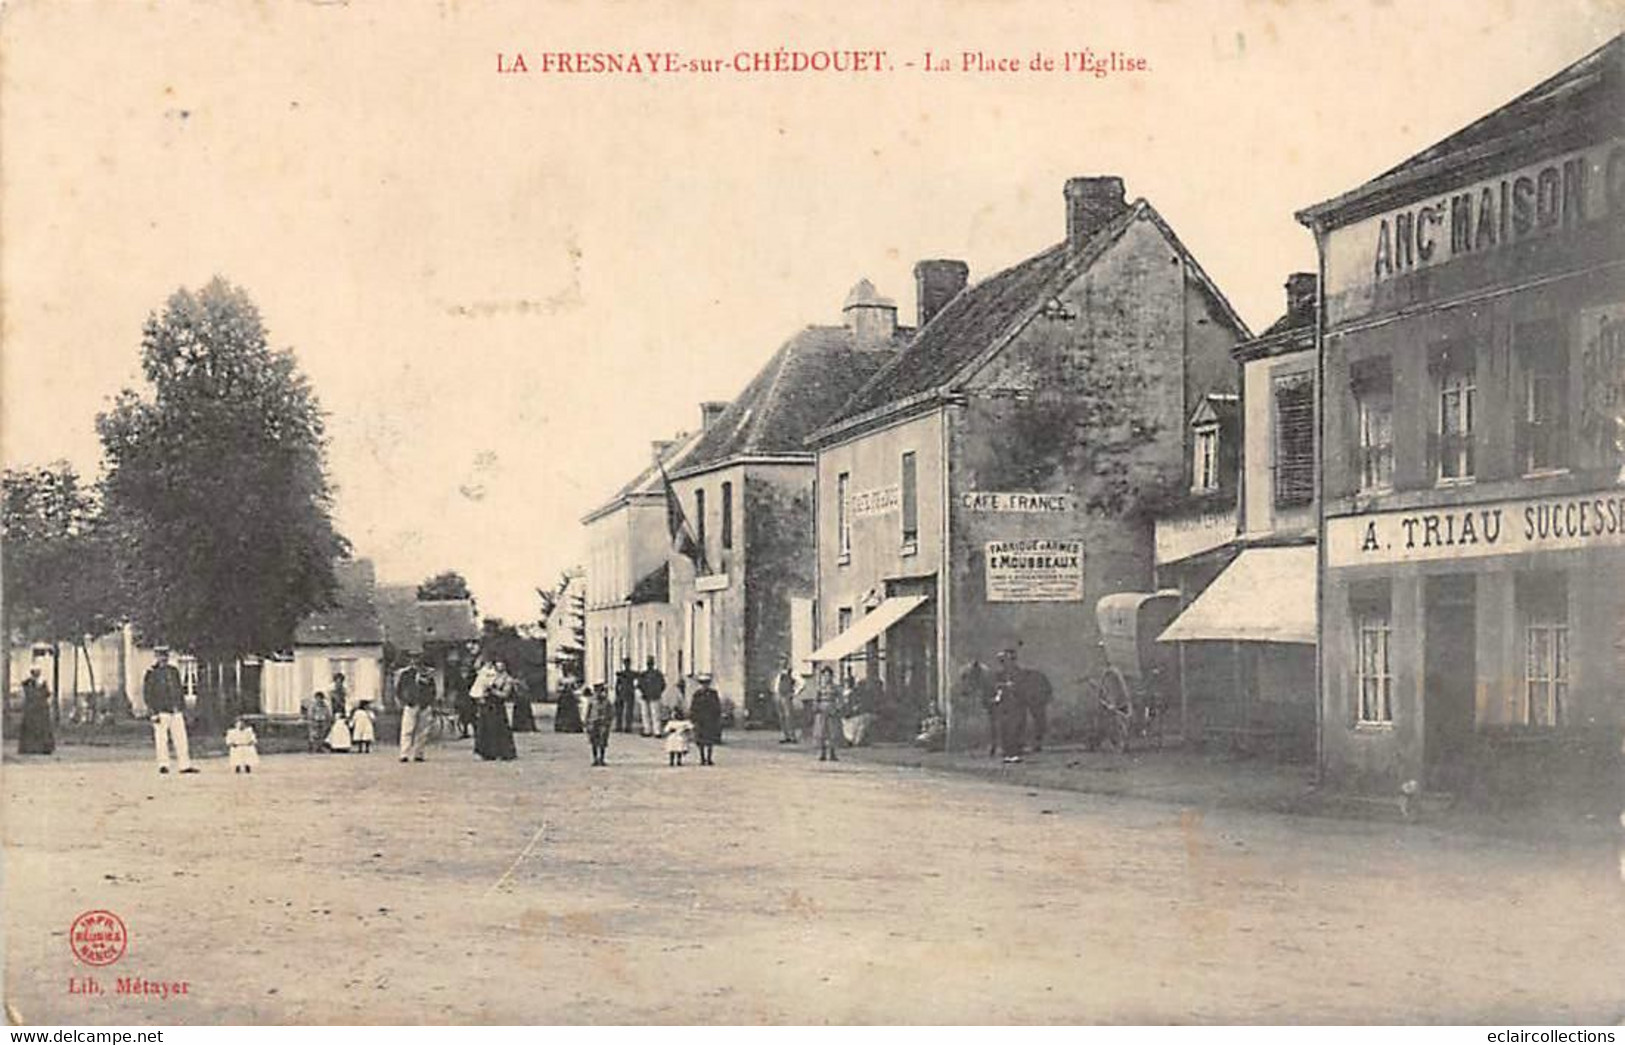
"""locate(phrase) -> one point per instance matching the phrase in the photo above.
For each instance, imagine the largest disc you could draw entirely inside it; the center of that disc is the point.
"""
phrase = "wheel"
(1117, 702)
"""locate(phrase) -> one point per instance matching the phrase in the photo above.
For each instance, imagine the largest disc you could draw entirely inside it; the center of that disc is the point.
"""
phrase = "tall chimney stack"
(1302, 288)
(1090, 203)
(937, 282)
(710, 411)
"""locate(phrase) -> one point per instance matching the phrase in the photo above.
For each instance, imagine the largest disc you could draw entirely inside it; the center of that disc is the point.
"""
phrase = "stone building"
(746, 491)
(981, 489)
(628, 607)
(1473, 582)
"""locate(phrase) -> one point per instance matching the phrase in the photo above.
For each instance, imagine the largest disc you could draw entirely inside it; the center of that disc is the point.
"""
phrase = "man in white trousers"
(414, 688)
(165, 698)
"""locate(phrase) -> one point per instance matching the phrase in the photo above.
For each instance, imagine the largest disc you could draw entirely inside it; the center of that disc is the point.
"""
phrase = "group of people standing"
(1013, 696)
(333, 726)
(638, 699)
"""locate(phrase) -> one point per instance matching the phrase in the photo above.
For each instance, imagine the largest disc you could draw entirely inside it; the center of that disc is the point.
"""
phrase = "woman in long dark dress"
(567, 716)
(34, 736)
(705, 711)
(493, 737)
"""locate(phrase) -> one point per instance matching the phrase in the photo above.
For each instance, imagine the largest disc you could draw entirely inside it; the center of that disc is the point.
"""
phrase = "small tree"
(58, 561)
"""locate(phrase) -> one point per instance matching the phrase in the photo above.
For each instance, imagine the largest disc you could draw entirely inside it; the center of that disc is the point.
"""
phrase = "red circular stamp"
(98, 937)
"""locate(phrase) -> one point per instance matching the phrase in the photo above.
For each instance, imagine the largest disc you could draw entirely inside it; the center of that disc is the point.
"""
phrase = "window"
(727, 515)
(1374, 413)
(699, 521)
(1543, 604)
(843, 619)
(1543, 432)
(843, 520)
(911, 503)
(1373, 671)
(1458, 408)
(1294, 439)
(1205, 462)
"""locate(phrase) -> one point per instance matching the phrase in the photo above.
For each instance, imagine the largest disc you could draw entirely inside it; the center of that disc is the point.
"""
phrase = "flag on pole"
(682, 534)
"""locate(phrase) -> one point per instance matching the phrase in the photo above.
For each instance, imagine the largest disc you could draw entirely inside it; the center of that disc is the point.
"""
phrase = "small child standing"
(677, 731)
(600, 718)
(318, 720)
(338, 737)
(242, 746)
(361, 727)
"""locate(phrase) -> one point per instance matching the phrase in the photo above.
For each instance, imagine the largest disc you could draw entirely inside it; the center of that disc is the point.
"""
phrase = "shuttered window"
(911, 502)
(727, 515)
(843, 517)
(1294, 440)
(1543, 430)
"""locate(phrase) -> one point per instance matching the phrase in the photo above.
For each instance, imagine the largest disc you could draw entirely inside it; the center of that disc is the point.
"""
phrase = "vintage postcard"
(783, 514)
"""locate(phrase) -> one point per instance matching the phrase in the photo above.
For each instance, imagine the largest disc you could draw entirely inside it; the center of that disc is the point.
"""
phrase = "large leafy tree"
(447, 584)
(216, 478)
(58, 558)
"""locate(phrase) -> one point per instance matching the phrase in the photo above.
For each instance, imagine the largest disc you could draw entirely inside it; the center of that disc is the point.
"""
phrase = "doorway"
(1450, 673)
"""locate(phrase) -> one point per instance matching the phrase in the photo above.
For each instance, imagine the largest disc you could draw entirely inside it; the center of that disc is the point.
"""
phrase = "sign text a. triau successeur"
(1570, 523)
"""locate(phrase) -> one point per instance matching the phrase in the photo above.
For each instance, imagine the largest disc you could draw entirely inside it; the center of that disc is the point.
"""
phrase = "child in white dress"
(338, 738)
(677, 731)
(361, 727)
(242, 746)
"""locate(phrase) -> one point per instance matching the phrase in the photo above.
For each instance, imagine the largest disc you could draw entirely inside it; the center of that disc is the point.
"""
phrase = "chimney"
(936, 283)
(871, 318)
(709, 412)
(1090, 204)
(1301, 290)
(660, 446)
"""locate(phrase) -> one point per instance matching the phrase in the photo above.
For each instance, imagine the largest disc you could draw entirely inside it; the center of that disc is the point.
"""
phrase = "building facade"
(966, 493)
(1247, 631)
(1473, 586)
(628, 607)
(746, 598)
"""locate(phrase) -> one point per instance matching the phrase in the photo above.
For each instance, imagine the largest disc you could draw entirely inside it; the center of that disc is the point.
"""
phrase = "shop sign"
(1555, 196)
(1026, 502)
(1036, 570)
(1184, 536)
(885, 500)
(1572, 523)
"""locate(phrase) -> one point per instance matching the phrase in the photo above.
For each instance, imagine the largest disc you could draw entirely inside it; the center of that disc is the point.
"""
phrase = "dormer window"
(1205, 459)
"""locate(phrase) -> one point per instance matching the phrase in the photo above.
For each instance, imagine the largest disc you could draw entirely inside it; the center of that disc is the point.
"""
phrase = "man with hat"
(165, 697)
(651, 687)
(626, 695)
(414, 688)
(1021, 693)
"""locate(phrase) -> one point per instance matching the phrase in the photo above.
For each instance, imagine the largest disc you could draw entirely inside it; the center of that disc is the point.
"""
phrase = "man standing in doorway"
(784, 697)
(414, 688)
(165, 697)
(651, 687)
(626, 695)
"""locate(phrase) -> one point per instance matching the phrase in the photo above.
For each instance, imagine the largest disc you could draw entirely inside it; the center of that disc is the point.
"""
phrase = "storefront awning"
(1265, 595)
(867, 627)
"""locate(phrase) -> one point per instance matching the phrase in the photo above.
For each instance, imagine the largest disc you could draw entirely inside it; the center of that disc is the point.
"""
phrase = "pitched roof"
(975, 318)
(982, 317)
(398, 612)
(1582, 94)
(447, 620)
(353, 619)
(800, 388)
(647, 482)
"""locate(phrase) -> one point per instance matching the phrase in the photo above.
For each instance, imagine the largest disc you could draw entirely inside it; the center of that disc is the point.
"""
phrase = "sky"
(504, 286)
